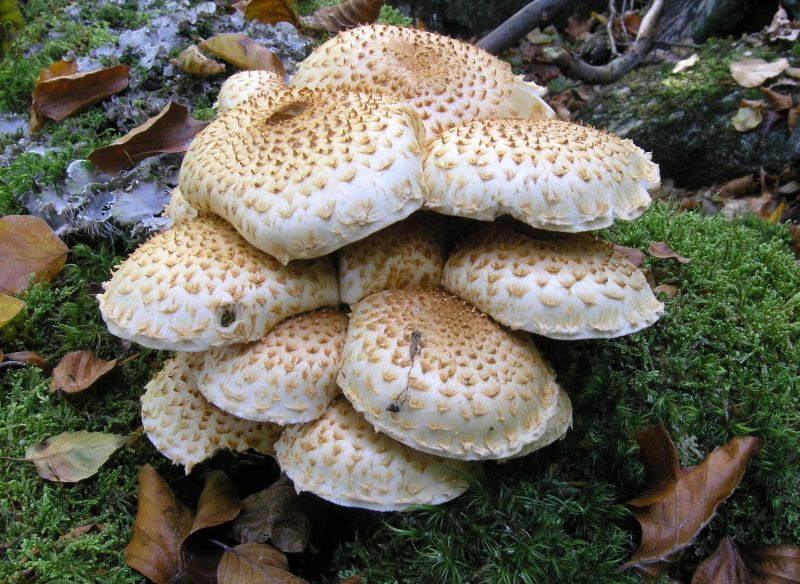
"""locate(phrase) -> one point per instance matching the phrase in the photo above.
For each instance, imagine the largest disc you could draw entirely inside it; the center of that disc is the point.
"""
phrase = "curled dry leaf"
(660, 249)
(78, 370)
(671, 524)
(255, 563)
(344, 15)
(243, 52)
(754, 72)
(191, 60)
(29, 358)
(73, 456)
(686, 64)
(738, 187)
(218, 504)
(633, 255)
(746, 118)
(272, 11)
(732, 564)
(28, 246)
(161, 524)
(171, 131)
(668, 289)
(777, 101)
(62, 96)
(57, 69)
(9, 308)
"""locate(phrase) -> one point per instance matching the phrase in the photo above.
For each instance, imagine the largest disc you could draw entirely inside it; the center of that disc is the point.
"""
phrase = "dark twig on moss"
(529, 17)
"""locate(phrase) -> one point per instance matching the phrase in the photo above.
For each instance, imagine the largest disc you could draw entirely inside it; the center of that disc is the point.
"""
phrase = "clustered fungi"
(436, 364)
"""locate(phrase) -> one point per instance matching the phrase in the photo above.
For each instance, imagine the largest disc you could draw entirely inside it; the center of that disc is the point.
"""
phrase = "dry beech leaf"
(754, 72)
(662, 469)
(777, 101)
(738, 187)
(254, 563)
(29, 358)
(171, 131)
(724, 566)
(746, 118)
(671, 525)
(660, 249)
(62, 96)
(686, 64)
(633, 255)
(668, 289)
(28, 246)
(57, 69)
(352, 580)
(78, 370)
(344, 15)
(243, 52)
(9, 308)
(73, 456)
(272, 11)
(732, 564)
(162, 522)
(191, 60)
(218, 504)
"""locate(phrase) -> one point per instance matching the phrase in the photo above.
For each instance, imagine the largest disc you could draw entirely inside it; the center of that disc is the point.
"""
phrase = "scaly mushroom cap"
(556, 429)
(309, 172)
(432, 372)
(288, 377)
(447, 81)
(241, 86)
(409, 254)
(571, 288)
(343, 460)
(551, 174)
(199, 285)
(187, 429)
(177, 209)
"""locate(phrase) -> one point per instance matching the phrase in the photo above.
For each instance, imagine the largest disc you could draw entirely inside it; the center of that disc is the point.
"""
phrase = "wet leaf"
(777, 101)
(62, 96)
(255, 563)
(28, 246)
(9, 308)
(732, 564)
(272, 11)
(754, 72)
(671, 525)
(242, 52)
(660, 249)
(162, 522)
(668, 289)
(29, 358)
(344, 15)
(171, 131)
(192, 61)
(686, 64)
(278, 514)
(662, 468)
(73, 456)
(78, 370)
(746, 118)
(218, 504)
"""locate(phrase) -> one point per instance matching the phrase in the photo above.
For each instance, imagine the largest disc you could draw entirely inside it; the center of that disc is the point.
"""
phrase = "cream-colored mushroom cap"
(574, 287)
(288, 377)
(432, 372)
(343, 460)
(177, 209)
(551, 174)
(447, 81)
(187, 429)
(199, 285)
(244, 85)
(310, 172)
(408, 254)
(556, 429)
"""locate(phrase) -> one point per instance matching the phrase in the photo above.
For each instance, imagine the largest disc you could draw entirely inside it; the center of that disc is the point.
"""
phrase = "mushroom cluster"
(350, 188)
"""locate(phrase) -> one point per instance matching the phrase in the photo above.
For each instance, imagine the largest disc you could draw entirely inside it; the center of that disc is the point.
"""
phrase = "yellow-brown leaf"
(9, 308)
(255, 563)
(192, 61)
(28, 246)
(73, 456)
(78, 370)
(243, 52)
(272, 11)
(344, 15)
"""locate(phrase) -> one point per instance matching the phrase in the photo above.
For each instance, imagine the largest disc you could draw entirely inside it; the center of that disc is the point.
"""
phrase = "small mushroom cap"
(447, 81)
(556, 429)
(570, 288)
(178, 209)
(288, 377)
(244, 85)
(432, 372)
(199, 285)
(187, 429)
(343, 460)
(408, 254)
(309, 172)
(550, 174)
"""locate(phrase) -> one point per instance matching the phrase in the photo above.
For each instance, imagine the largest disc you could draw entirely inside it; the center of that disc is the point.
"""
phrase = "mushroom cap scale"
(432, 372)
(575, 287)
(309, 171)
(288, 377)
(447, 81)
(199, 285)
(343, 460)
(556, 429)
(178, 209)
(262, 86)
(550, 174)
(187, 429)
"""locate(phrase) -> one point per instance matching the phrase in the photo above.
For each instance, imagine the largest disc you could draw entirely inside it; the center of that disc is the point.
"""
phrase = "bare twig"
(612, 13)
(528, 18)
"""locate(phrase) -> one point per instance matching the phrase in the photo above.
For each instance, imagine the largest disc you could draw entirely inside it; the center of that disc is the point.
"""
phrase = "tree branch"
(516, 27)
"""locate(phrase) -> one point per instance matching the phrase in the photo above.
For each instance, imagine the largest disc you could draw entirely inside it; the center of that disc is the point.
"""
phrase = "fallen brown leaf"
(660, 249)
(79, 531)
(754, 564)
(57, 69)
(668, 289)
(754, 72)
(346, 14)
(59, 97)
(631, 22)
(9, 308)
(671, 525)
(578, 28)
(162, 522)
(738, 187)
(218, 504)
(352, 580)
(171, 131)
(662, 468)
(724, 566)
(78, 370)
(793, 115)
(28, 246)
(255, 563)
(242, 52)
(191, 60)
(777, 101)
(29, 358)
(272, 11)
(73, 456)
(633, 255)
